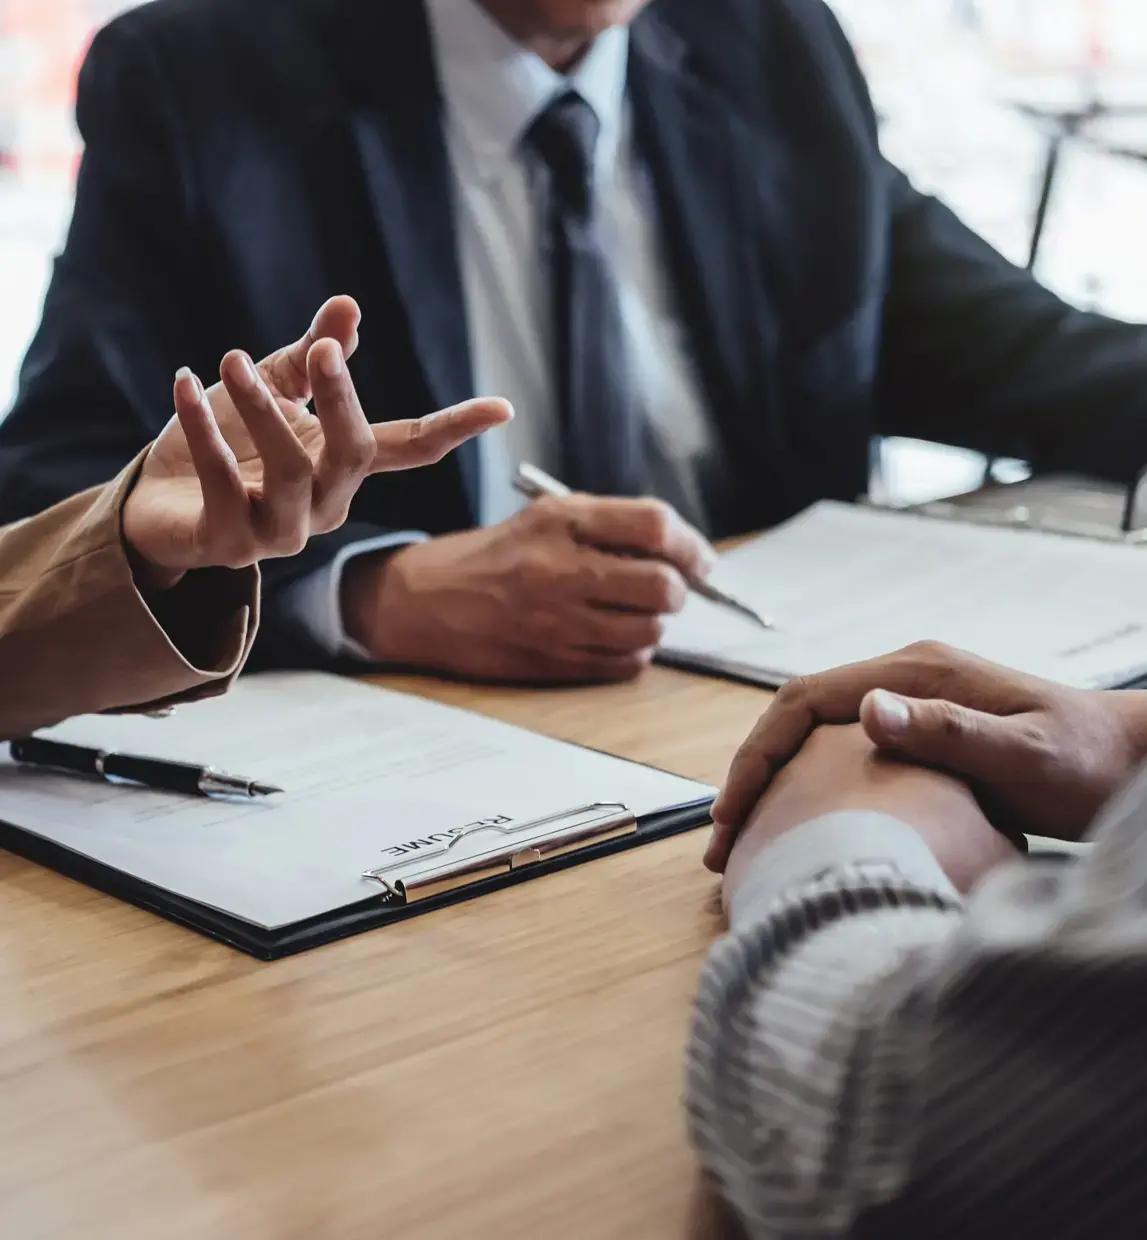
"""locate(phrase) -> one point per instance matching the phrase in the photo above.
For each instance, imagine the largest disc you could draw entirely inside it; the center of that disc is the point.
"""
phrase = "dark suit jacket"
(247, 158)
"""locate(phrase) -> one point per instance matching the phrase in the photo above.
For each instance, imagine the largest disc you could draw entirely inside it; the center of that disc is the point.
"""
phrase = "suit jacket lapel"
(396, 124)
(698, 151)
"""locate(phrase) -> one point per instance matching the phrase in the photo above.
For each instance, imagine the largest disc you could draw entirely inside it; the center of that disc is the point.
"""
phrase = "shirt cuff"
(846, 838)
(314, 602)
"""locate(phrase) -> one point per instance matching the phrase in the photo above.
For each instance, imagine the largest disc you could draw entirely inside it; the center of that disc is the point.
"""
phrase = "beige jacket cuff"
(76, 635)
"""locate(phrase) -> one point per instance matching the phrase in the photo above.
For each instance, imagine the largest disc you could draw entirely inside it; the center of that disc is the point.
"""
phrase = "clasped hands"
(969, 754)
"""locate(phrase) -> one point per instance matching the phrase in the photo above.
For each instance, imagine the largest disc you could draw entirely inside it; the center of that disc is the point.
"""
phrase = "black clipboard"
(368, 914)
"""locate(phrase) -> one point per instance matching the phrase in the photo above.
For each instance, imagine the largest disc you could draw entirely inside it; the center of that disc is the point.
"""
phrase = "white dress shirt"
(493, 89)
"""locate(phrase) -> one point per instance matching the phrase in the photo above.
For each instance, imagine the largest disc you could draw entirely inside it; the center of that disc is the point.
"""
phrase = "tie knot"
(565, 137)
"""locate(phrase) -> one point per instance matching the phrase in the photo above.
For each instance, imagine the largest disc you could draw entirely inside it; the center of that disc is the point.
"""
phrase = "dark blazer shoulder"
(762, 48)
(167, 21)
(215, 52)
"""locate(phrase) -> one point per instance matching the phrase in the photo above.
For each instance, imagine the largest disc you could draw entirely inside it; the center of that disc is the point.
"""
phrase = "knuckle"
(415, 433)
(284, 368)
(1038, 745)
(742, 774)
(428, 439)
(667, 590)
(295, 470)
(538, 569)
(936, 664)
(546, 630)
(755, 763)
(950, 721)
(929, 650)
(357, 455)
(591, 576)
(935, 659)
(547, 512)
(224, 554)
(657, 525)
(629, 666)
(649, 631)
(247, 547)
(625, 634)
(240, 546)
(751, 744)
(330, 518)
(794, 692)
(291, 541)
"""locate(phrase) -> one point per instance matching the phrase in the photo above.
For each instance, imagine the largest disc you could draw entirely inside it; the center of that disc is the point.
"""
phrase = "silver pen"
(535, 483)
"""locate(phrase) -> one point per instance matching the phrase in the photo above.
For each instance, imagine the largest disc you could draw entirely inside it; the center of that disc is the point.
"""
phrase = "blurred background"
(1029, 117)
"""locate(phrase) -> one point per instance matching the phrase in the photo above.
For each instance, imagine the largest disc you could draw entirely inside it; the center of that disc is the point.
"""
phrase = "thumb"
(979, 747)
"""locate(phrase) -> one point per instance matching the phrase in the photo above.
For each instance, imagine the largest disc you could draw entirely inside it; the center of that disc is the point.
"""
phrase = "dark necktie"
(602, 429)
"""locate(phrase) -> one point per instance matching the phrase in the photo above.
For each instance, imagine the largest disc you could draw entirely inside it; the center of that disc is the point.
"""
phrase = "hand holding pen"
(573, 588)
(536, 484)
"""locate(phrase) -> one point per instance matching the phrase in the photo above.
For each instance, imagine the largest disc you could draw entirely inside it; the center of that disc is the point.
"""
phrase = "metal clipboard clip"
(524, 844)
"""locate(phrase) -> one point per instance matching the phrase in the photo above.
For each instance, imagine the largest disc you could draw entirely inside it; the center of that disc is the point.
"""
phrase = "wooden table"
(510, 1067)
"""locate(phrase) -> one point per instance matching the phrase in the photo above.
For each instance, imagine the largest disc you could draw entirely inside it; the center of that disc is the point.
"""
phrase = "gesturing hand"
(1047, 757)
(245, 471)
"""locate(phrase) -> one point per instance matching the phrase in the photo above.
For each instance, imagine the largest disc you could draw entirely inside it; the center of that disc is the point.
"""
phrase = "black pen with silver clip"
(156, 773)
(534, 483)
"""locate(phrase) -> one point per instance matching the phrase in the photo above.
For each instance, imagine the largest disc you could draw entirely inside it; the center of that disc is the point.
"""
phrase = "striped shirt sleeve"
(866, 1053)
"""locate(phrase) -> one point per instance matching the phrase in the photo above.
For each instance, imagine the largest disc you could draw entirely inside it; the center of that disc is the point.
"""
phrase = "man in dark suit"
(664, 230)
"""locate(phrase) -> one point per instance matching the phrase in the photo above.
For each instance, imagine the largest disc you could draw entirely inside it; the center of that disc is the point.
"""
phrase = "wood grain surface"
(510, 1067)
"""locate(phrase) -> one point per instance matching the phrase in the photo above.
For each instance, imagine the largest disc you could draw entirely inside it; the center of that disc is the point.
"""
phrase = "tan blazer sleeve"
(76, 635)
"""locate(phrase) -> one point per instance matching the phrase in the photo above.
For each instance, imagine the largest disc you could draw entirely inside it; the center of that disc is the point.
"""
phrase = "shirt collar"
(494, 88)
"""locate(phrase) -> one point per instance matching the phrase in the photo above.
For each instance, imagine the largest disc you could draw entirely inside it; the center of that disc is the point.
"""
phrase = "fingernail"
(891, 712)
(331, 362)
(185, 375)
(247, 376)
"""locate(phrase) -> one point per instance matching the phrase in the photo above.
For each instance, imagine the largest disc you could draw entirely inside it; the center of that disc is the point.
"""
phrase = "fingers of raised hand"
(349, 449)
(281, 515)
(226, 511)
(285, 371)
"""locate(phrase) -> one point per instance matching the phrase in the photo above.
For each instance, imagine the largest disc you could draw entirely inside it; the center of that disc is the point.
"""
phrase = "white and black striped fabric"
(869, 1058)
